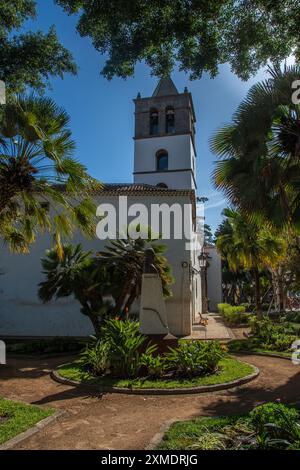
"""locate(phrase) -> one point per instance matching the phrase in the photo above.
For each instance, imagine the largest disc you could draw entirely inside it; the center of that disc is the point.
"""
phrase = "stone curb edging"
(11, 443)
(159, 391)
(252, 353)
(158, 437)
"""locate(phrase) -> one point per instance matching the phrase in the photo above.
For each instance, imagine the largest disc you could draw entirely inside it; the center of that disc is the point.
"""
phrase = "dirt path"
(114, 421)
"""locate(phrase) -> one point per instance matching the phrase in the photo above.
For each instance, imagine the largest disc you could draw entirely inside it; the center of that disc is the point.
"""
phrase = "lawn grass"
(201, 433)
(18, 417)
(245, 345)
(229, 369)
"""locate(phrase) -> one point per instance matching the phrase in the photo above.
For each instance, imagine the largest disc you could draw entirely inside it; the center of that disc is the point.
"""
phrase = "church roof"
(165, 87)
(142, 188)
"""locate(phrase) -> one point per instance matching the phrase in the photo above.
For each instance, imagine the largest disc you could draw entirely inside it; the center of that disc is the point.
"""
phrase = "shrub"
(274, 418)
(192, 358)
(277, 337)
(236, 309)
(154, 365)
(221, 308)
(293, 317)
(124, 344)
(236, 315)
(96, 358)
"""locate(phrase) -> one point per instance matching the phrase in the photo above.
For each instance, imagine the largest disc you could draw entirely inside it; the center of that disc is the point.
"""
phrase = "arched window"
(170, 120)
(162, 160)
(153, 122)
(162, 185)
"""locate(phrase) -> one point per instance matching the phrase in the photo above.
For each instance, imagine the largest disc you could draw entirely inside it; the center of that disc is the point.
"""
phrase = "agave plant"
(42, 187)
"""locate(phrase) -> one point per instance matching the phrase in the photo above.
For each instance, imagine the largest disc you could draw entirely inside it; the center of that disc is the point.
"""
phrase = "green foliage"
(197, 35)
(234, 315)
(29, 59)
(19, 417)
(293, 317)
(269, 426)
(95, 358)
(276, 426)
(275, 413)
(221, 308)
(155, 365)
(77, 272)
(236, 309)
(258, 167)
(125, 260)
(42, 187)
(45, 346)
(193, 358)
(271, 336)
(229, 369)
(124, 343)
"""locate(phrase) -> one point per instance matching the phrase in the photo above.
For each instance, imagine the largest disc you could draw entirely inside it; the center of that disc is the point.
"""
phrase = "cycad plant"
(77, 273)
(42, 187)
(125, 259)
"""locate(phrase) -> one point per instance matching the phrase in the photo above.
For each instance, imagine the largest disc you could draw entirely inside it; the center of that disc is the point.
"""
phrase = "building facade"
(164, 174)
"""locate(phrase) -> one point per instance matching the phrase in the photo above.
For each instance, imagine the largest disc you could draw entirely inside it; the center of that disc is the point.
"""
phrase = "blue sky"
(102, 112)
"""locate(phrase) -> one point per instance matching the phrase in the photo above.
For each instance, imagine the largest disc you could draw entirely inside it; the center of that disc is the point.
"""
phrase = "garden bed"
(16, 418)
(270, 426)
(231, 373)
(245, 346)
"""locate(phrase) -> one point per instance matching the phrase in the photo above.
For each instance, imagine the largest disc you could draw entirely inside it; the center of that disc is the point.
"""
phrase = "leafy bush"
(96, 358)
(236, 309)
(124, 345)
(192, 358)
(45, 346)
(293, 317)
(155, 365)
(272, 336)
(236, 316)
(221, 308)
(276, 425)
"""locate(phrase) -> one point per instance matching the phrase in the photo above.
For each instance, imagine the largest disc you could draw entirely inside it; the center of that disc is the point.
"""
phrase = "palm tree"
(246, 246)
(77, 273)
(42, 187)
(125, 260)
(105, 285)
(259, 166)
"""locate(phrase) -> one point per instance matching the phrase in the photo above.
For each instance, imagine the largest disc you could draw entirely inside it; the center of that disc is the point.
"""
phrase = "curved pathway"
(113, 421)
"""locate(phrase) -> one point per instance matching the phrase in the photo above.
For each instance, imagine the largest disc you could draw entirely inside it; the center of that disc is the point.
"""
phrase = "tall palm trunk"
(257, 292)
(278, 289)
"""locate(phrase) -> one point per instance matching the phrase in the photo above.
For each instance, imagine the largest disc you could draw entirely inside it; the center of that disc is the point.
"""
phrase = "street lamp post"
(203, 264)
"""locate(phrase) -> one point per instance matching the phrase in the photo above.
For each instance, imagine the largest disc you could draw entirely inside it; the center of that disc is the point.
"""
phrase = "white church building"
(164, 173)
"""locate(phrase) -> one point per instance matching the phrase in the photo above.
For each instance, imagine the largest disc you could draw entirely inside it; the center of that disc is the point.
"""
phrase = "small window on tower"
(153, 122)
(170, 120)
(162, 160)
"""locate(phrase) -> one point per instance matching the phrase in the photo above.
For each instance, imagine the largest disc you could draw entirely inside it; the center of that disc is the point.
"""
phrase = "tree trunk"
(278, 288)
(257, 292)
(130, 300)
(96, 324)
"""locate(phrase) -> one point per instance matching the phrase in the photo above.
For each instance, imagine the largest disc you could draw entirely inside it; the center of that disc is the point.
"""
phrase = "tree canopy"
(199, 35)
(29, 59)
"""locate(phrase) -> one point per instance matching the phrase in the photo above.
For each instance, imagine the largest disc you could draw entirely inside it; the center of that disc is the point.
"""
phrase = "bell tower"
(164, 150)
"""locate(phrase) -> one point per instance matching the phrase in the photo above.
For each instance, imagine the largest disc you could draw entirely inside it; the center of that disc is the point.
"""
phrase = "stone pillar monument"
(153, 316)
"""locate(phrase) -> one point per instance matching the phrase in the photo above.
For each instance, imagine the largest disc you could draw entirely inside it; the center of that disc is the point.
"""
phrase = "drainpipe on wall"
(184, 266)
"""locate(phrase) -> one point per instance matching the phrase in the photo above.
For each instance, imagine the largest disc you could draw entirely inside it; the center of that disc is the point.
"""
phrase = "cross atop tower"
(165, 138)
